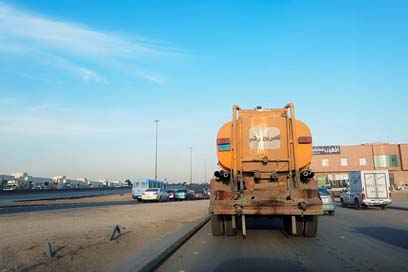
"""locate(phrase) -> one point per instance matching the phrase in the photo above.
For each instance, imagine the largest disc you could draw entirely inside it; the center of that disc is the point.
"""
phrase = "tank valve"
(302, 206)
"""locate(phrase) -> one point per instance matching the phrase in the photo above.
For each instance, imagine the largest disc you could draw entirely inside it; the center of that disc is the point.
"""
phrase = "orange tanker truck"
(264, 156)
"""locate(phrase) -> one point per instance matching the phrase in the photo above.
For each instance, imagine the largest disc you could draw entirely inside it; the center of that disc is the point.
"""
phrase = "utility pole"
(205, 171)
(155, 161)
(191, 165)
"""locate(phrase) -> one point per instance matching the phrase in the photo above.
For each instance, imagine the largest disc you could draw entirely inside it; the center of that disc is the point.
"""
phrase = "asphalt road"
(352, 240)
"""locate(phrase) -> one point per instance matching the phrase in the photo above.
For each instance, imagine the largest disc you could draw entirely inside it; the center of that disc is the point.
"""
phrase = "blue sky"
(82, 81)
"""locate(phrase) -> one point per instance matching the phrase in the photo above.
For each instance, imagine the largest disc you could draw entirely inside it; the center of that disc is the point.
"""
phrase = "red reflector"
(363, 195)
(305, 140)
(389, 194)
(221, 141)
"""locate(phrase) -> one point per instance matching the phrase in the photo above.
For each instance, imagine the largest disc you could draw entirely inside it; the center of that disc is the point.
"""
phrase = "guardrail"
(20, 192)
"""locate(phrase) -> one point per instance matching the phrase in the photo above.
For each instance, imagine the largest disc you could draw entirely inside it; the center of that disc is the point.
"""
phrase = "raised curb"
(388, 207)
(158, 258)
(398, 208)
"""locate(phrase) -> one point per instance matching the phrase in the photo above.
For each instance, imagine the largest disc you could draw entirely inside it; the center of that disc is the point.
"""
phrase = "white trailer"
(367, 188)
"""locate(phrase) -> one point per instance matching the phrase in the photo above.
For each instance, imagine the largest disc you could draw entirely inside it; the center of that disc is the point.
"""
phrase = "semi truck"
(264, 156)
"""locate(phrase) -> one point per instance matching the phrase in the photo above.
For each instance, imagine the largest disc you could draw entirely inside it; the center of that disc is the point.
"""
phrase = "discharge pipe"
(306, 175)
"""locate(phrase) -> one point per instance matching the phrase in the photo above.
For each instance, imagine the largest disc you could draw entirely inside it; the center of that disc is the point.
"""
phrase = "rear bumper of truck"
(375, 202)
(267, 207)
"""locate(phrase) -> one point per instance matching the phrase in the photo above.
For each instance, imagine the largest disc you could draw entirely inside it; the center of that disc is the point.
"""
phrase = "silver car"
(329, 205)
(155, 195)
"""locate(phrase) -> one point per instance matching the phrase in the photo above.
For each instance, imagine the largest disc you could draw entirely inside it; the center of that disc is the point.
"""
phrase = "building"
(332, 164)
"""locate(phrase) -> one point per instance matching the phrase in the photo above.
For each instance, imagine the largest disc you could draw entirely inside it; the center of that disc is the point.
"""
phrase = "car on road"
(157, 194)
(329, 204)
(200, 194)
(367, 189)
(184, 194)
(172, 194)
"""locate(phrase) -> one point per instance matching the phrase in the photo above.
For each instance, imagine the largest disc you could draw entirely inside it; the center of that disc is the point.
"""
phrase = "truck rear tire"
(229, 230)
(287, 224)
(311, 222)
(217, 225)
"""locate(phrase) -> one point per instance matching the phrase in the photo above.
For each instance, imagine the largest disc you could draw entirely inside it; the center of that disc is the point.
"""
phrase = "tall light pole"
(155, 161)
(191, 165)
(205, 171)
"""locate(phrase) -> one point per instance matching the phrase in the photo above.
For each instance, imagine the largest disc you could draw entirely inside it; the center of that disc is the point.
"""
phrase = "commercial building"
(332, 164)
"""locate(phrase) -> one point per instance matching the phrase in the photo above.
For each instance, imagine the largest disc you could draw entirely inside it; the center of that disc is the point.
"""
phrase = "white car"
(155, 195)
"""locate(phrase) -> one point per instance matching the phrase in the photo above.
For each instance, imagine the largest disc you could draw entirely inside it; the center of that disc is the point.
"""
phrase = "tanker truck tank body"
(265, 157)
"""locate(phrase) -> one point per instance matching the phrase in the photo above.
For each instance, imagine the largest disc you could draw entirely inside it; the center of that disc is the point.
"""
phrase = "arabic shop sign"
(326, 150)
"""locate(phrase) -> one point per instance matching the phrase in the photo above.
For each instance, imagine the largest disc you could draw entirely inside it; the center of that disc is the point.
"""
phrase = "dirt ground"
(80, 236)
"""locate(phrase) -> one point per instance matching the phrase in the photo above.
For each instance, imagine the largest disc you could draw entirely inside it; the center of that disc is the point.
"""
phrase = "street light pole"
(155, 161)
(191, 165)
(205, 171)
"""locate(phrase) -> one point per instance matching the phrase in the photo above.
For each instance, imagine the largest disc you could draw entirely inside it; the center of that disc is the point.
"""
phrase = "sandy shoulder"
(87, 199)
(81, 235)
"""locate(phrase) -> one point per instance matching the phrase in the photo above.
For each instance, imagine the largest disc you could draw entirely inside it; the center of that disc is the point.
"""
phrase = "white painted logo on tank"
(262, 138)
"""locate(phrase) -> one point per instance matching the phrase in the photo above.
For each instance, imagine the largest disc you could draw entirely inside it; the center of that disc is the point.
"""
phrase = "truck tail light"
(363, 196)
(332, 198)
(305, 140)
(390, 195)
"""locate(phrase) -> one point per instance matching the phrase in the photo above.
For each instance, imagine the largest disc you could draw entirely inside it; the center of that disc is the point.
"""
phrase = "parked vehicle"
(156, 194)
(141, 185)
(184, 194)
(329, 204)
(367, 189)
(172, 194)
(200, 194)
(265, 157)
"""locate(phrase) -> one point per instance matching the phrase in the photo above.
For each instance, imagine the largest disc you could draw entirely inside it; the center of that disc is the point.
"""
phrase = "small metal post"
(114, 230)
(48, 250)
(244, 233)
(293, 224)
(233, 222)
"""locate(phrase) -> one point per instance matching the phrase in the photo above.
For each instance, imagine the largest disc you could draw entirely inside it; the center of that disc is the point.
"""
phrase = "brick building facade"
(332, 164)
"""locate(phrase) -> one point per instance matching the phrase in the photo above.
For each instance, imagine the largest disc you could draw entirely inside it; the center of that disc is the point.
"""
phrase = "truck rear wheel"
(217, 225)
(287, 224)
(310, 229)
(229, 228)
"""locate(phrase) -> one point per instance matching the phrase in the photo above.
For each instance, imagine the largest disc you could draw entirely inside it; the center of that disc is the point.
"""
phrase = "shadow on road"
(263, 222)
(392, 236)
(259, 264)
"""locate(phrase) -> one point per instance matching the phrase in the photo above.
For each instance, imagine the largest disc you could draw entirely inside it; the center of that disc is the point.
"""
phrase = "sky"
(81, 82)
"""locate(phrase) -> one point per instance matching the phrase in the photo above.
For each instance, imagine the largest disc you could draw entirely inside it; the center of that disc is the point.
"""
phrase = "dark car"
(172, 194)
(200, 194)
(184, 194)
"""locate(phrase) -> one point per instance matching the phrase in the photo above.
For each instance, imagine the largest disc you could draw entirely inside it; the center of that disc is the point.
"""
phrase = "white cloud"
(23, 31)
